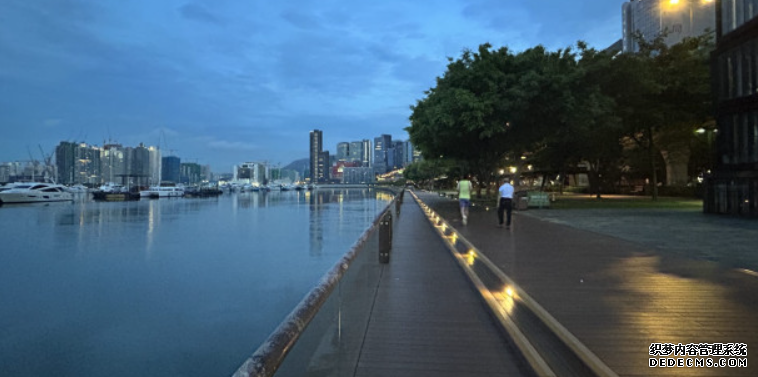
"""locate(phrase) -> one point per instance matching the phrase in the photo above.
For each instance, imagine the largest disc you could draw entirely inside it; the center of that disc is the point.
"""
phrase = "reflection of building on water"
(328, 207)
(318, 200)
(252, 199)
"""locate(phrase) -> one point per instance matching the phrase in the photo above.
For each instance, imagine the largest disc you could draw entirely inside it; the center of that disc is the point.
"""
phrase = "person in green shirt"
(464, 196)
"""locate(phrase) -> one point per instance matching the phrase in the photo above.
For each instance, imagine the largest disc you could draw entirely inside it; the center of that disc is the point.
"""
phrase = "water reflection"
(163, 287)
(327, 198)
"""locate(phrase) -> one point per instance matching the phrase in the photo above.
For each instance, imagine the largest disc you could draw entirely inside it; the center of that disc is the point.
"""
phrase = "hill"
(298, 165)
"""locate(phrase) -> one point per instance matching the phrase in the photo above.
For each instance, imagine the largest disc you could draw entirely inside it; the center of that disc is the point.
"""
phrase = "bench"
(538, 199)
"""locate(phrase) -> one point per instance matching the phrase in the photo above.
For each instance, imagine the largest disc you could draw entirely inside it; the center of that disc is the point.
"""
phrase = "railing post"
(385, 238)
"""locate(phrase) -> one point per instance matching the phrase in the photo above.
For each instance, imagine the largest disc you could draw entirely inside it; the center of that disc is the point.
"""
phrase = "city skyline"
(226, 82)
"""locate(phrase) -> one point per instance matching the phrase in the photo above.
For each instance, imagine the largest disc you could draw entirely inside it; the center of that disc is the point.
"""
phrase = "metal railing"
(323, 334)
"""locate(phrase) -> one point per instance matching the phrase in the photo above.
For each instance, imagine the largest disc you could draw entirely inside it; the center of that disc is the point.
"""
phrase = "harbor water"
(163, 287)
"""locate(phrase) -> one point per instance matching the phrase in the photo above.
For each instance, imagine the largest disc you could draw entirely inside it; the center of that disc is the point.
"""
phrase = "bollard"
(385, 238)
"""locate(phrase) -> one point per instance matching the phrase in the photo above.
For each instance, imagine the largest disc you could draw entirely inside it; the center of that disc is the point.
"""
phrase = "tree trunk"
(677, 162)
(653, 168)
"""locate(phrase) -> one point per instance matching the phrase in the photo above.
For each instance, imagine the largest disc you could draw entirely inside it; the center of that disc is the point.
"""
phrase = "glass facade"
(679, 20)
(732, 187)
(737, 12)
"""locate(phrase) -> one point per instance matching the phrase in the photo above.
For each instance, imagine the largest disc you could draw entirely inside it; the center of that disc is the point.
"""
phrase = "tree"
(461, 118)
(426, 171)
(663, 95)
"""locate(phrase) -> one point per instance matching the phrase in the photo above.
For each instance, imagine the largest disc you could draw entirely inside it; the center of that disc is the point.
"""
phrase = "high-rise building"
(360, 151)
(113, 164)
(680, 19)
(191, 173)
(343, 152)
(398, 160)
(171, 169)
(355, 150)
(254, 173)
(323, 164)
(155, 166)
(733, 186)
(381, 159)
(138, 170)
(65, 159)
(366, 151)
(358, 175)
(5, 173)
(409, 152)
(77, 163)
(316, 147)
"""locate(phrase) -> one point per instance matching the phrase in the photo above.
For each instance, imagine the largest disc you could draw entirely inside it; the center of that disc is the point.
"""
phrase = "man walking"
(464, 196)
(505, 202)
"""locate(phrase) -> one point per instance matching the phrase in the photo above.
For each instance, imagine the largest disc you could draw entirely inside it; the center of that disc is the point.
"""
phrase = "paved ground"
(621, 280)
(728, 241)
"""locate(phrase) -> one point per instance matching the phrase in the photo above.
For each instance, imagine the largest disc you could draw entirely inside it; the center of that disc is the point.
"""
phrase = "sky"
(219, 82)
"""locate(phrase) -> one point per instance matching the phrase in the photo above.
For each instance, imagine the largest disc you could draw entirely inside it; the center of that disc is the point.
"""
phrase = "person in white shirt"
(505, 202)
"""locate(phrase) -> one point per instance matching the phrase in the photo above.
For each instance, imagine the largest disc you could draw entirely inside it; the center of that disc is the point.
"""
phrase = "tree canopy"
(560, 107)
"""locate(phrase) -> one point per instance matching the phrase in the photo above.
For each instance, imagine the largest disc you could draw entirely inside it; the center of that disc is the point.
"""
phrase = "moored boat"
(115, 196)
(162, 192)
(202, 192)
(34, 192)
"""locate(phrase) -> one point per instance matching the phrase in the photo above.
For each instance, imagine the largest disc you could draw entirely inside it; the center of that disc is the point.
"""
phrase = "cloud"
(302, 20)
(196, 12)
(233, 145)
(52, 122)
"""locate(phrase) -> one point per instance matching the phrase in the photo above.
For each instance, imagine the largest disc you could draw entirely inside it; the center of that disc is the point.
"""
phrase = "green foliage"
(429, 170)
(559, 107)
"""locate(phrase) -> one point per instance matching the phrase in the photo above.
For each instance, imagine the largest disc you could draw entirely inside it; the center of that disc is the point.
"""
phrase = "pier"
(538, 299)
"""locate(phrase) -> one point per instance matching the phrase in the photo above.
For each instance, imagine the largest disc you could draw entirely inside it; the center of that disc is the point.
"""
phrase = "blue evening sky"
(226, 81)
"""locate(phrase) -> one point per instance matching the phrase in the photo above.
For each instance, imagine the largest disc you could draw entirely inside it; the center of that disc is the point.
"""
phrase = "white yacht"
(162, 192)
(34, 192)
(77, 189)
(111, 187)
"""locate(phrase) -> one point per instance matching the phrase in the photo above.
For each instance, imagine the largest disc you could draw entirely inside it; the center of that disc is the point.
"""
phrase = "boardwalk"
(427, 319)
(618, 296)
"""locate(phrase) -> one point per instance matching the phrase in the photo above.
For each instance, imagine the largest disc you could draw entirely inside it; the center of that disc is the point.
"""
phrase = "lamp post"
(710, 133)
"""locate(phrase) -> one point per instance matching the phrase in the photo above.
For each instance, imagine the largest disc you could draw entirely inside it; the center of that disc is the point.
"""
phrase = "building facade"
(113, 164)
(381, 158)
(360, 151)
(679, 19)
(343, 152)
(254, 173)
(358, 175)
(78, 163)
(171, 169)
(191, 173)
(316, 149)
(732, 188)
(323, 164)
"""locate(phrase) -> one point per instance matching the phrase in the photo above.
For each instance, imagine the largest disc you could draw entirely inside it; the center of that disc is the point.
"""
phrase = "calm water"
(163, 287)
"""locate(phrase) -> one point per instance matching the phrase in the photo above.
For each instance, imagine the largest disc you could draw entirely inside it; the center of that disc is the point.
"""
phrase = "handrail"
(269, 356)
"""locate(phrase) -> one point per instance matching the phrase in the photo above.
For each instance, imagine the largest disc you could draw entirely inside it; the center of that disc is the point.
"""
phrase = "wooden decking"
(620, 297)
(427, 318)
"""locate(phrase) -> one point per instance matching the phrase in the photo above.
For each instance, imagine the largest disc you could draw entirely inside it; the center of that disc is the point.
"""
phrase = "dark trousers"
(506, 205)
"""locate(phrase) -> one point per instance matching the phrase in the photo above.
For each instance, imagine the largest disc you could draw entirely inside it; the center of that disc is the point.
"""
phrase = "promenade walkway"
(427, 319)
(618, 296)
